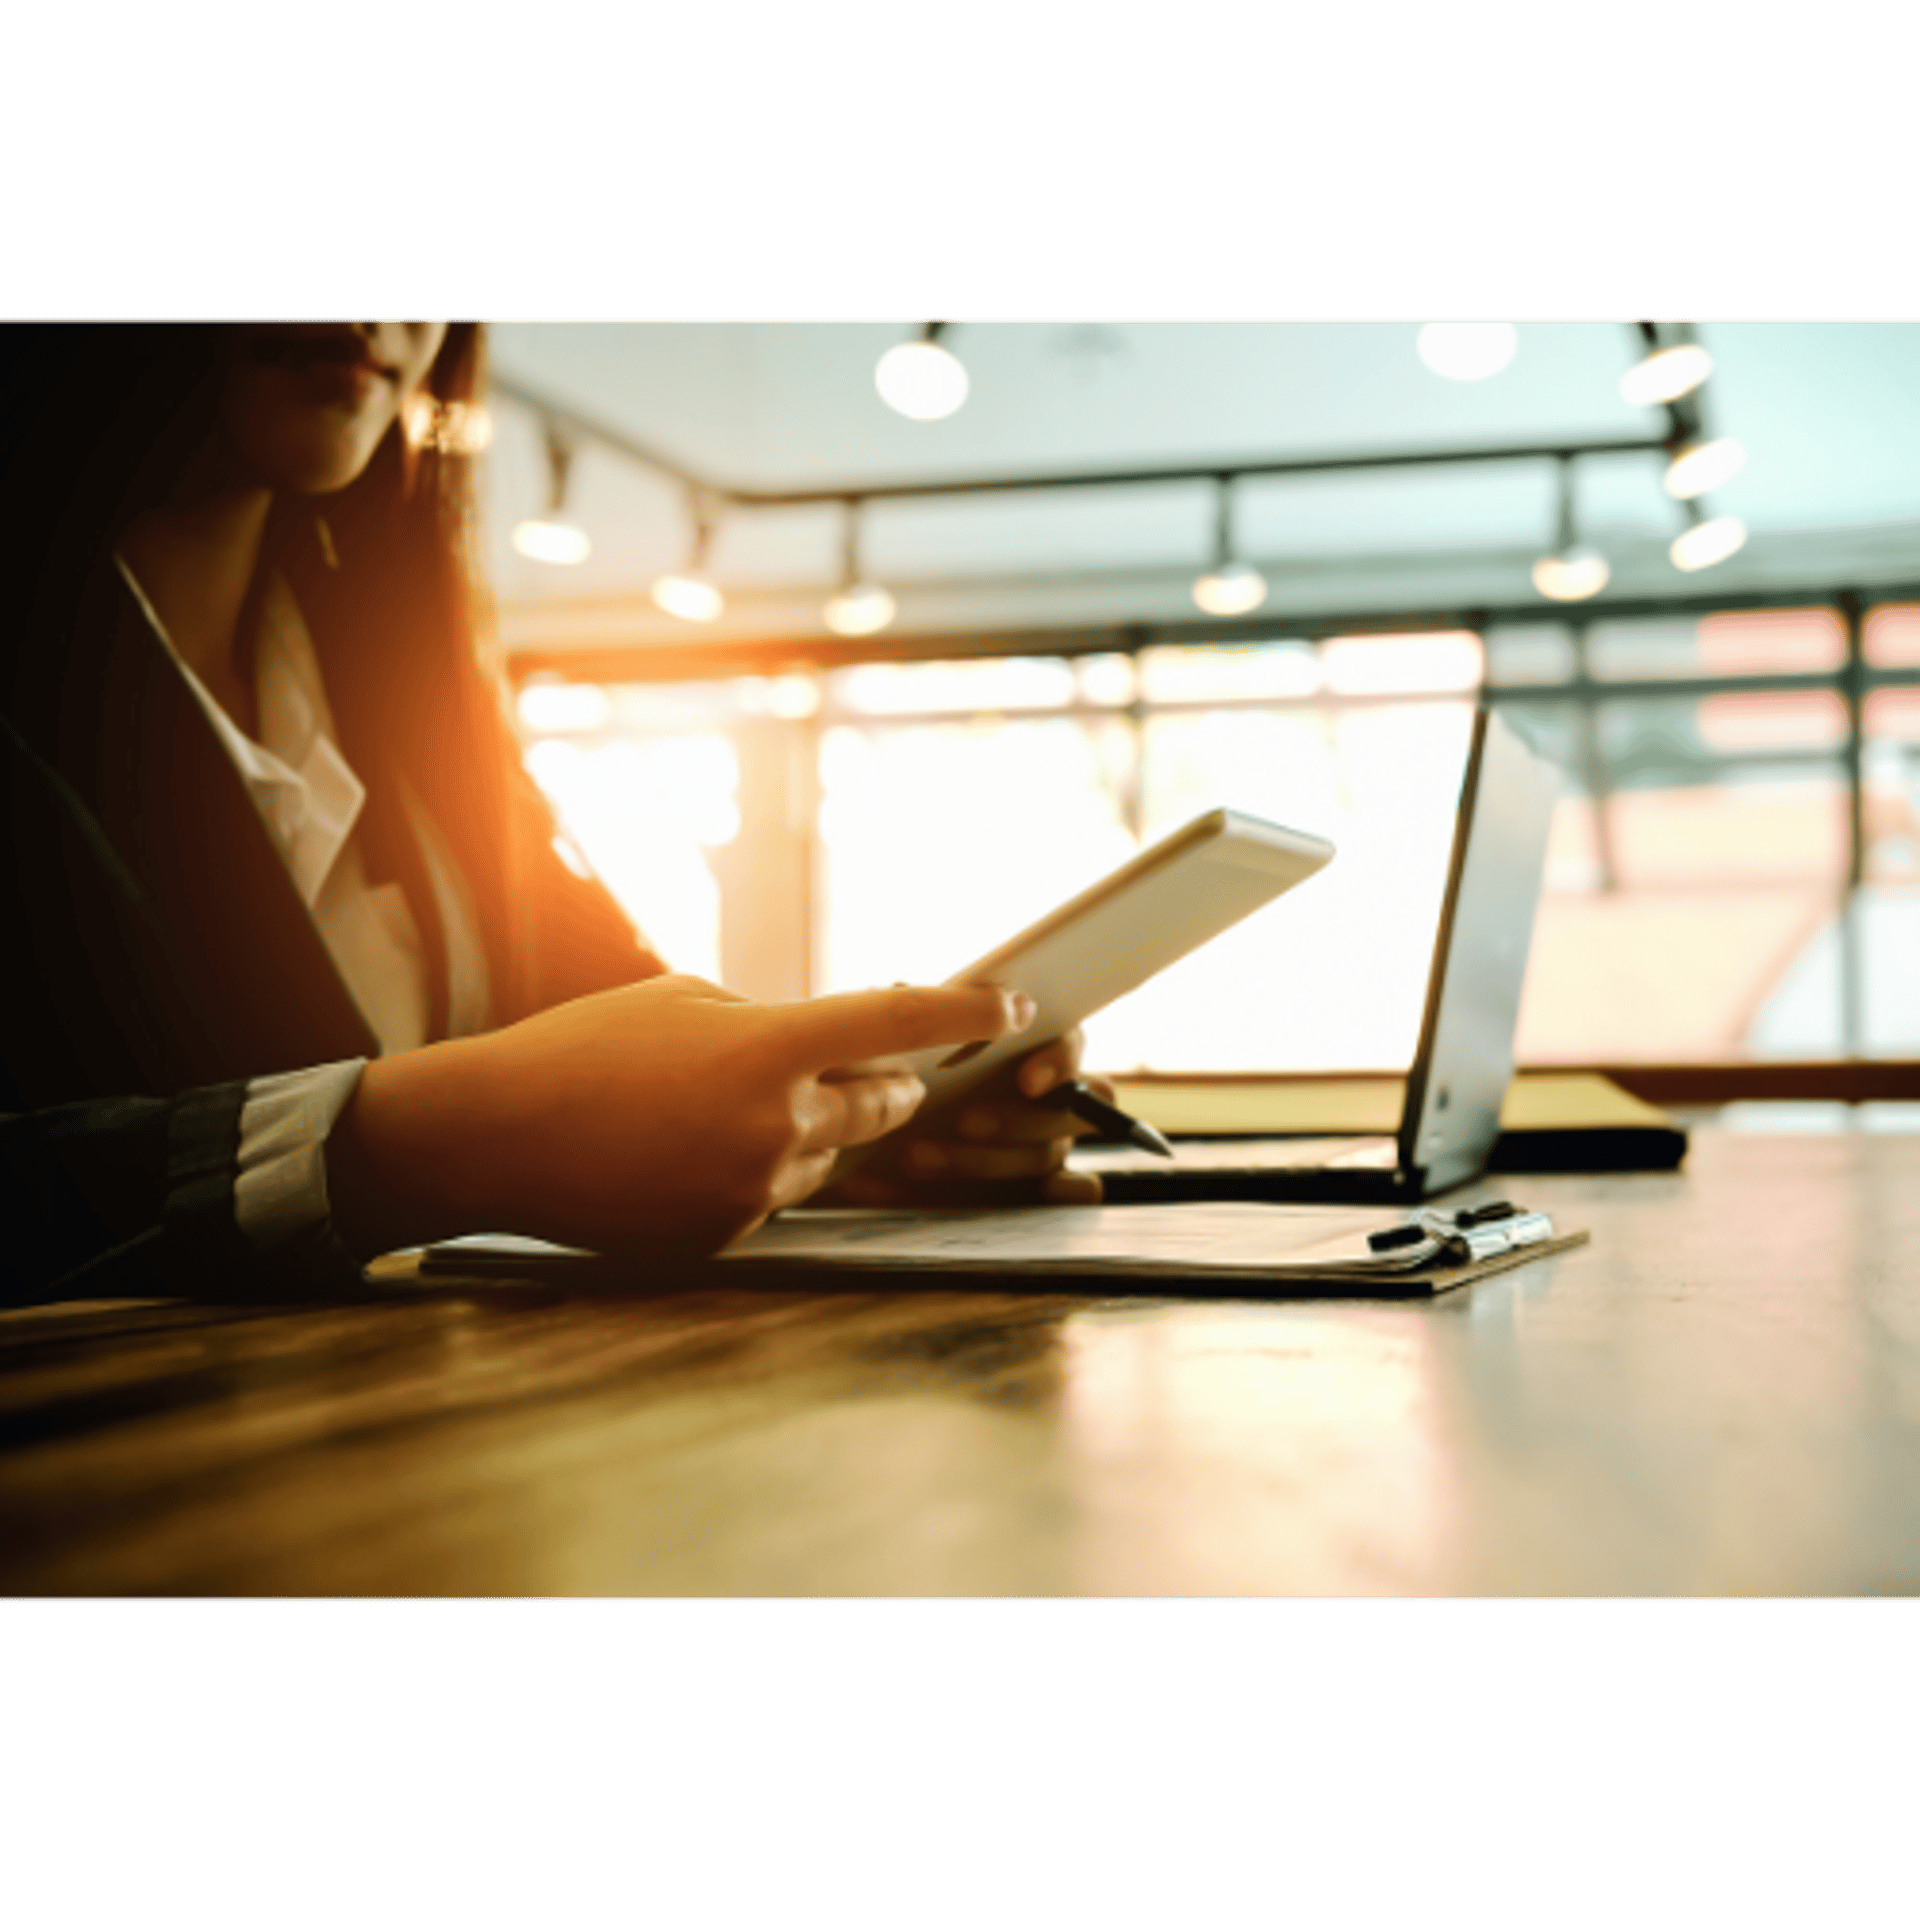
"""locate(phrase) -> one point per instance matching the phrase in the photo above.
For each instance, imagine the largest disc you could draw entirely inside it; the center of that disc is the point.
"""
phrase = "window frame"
(1848, 1076)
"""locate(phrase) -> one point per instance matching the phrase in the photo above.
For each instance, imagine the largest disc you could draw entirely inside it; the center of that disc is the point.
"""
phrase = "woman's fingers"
(845, 1027)
(799, 1179)
(1047, 1066)
(1064, 1189)
(848, 1113)
(955, 1160)
(1014, 1123)
(687, 986)
(865, 1188)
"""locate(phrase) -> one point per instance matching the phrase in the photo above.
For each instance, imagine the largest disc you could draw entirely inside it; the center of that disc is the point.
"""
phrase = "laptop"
(1451, 1113)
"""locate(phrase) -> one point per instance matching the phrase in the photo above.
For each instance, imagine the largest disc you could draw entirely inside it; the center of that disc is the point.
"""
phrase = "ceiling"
(1830, 415)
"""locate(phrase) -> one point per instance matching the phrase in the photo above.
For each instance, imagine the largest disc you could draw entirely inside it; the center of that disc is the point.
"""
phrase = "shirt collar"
(307, 797)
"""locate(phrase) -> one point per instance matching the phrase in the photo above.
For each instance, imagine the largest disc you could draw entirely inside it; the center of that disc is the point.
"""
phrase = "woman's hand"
(670, 1116)
(996, 1147)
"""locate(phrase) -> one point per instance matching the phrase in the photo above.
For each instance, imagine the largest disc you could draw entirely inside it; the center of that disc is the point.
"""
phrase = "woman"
(297, 973)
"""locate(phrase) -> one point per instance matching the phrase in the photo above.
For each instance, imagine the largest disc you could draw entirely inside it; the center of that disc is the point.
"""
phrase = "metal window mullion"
(1133, 799)
(1852, 958)
(1593, 759)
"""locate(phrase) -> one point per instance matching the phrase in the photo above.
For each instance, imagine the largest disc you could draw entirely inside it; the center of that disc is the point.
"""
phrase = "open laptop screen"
(1465, 1058)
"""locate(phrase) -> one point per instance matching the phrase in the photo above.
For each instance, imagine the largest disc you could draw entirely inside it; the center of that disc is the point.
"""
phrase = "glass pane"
(1891, 637)
(1107, 679)
(645, 780)
(1888, 906)
(1333, 976)
(952, 686)
(1772, 640)
(1736, 829)
(681, 707)
(1742, 723)
(1688, 918)
(1644, 650)
(1403, 663)
(780, 696)
(643, 811)
(1664, 742)
(1276, 670)
(1529, 656)
(1554, 729)
(942, 839)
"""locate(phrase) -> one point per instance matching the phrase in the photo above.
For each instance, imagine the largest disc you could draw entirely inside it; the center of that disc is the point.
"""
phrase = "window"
(1734, 869)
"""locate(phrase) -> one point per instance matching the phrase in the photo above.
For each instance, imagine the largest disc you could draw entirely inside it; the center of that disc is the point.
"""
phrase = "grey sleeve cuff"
(280, 1194)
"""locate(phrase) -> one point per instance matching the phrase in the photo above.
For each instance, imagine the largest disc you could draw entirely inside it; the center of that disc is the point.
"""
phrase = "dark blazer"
(157, 957)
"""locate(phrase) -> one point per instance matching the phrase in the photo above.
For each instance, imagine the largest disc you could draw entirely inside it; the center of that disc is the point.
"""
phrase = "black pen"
(1105, 1118)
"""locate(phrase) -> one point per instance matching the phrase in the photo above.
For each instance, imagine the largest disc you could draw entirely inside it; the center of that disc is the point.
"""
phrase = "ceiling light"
(1578, 575)
(689, 594)
(1571, 571)
(1707, 542)
(1230, 590)
(1467, 350)
(1665, 374)
(556, 541)
(554, 537)
(860, 606)
(1698, 466)
(920, 378)
(1230, 587)
(863, 608)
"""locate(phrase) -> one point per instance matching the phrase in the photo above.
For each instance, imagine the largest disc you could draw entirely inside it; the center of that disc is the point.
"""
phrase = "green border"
(955, 1761)
(1005, 158)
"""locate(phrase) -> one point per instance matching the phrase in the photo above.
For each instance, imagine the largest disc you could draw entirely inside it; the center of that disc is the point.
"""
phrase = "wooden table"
(1720, 1395)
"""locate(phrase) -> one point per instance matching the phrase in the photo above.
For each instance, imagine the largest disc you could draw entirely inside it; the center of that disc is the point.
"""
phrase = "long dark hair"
(385, 572)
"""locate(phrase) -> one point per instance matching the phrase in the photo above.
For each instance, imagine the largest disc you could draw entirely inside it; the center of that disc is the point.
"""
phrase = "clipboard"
(1219, 1248)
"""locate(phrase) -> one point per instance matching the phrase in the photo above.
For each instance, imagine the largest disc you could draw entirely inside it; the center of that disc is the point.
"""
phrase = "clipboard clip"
(1466, 1233)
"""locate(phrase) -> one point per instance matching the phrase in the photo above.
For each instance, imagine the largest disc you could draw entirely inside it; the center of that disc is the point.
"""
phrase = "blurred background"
(845, 650)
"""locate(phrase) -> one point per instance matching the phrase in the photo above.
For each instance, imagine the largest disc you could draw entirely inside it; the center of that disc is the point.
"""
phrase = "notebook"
(1552, 1121)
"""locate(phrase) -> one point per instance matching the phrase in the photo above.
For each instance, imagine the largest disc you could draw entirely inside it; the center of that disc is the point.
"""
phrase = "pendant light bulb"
(554, 537)
(1665, 374)
(859, 606)
(1707, 543)
(864, 607)
(920, 378)
(1573, 570)
(1473, 350)
(689, 594)
(1231, 590)
(1576, 575)
(1698, 466)
(1229, 587)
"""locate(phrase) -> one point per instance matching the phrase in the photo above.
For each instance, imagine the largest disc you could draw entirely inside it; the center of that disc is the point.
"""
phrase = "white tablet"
(1167, 900)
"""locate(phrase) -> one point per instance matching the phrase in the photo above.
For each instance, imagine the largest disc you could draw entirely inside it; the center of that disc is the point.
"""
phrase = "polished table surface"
(1721, 1394)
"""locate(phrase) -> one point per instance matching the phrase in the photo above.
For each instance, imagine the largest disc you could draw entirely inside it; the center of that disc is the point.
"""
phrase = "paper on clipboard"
(1209, 1246)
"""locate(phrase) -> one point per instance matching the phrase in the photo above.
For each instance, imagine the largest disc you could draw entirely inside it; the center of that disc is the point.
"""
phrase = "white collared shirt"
(309, 800)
